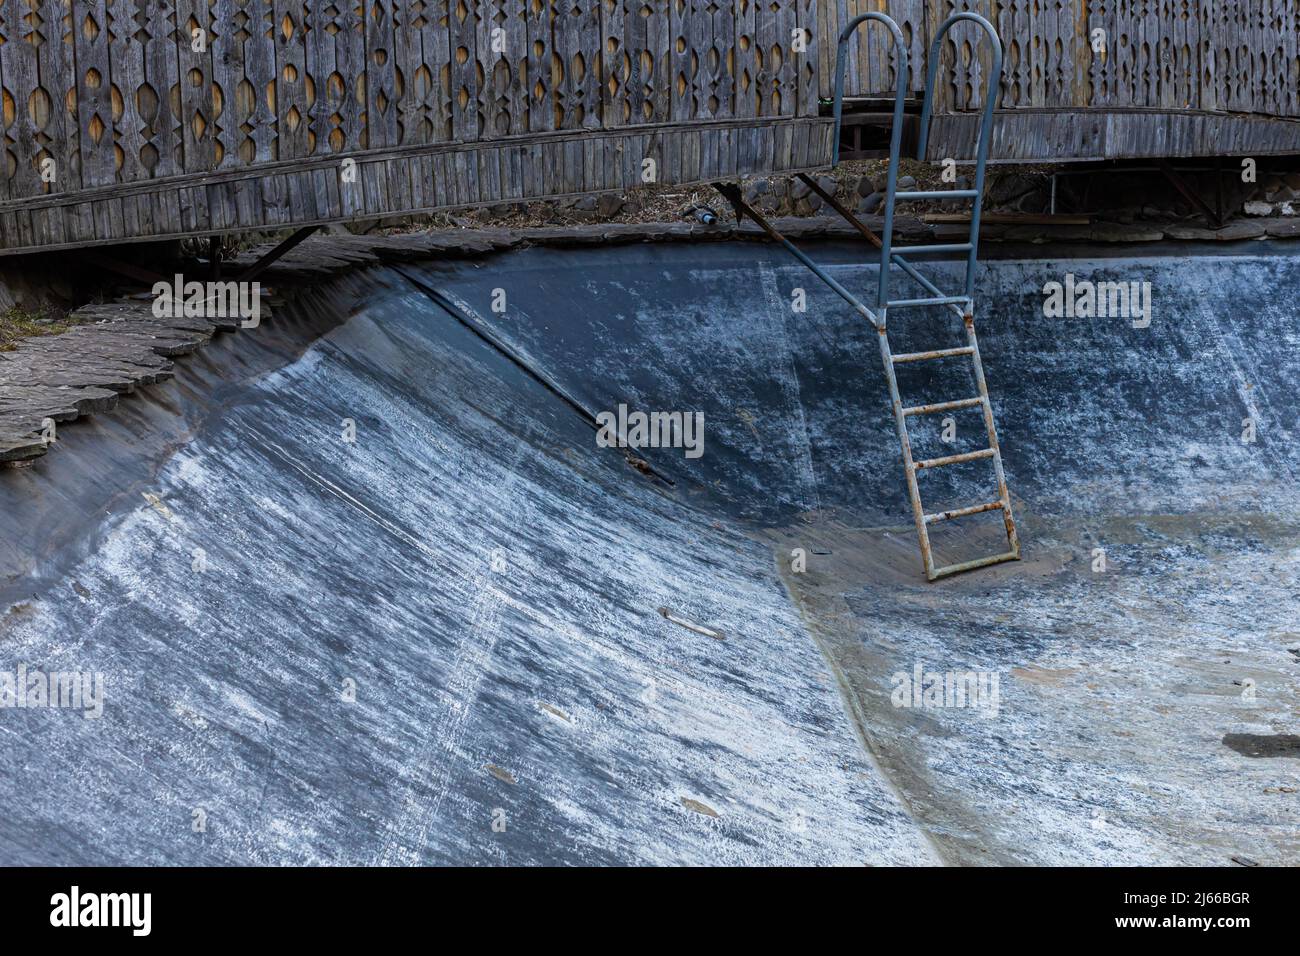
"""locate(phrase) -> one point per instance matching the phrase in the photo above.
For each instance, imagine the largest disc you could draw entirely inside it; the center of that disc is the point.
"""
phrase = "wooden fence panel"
(487, 100)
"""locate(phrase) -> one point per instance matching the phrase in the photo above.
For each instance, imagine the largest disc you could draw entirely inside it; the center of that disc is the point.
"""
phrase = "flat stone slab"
(121, 347)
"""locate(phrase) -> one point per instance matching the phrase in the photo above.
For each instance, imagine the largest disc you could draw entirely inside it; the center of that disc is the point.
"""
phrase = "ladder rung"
(943, 406)
(937, 300)
(936, 354)
(972, 565)
(963, 512)
(942, 247)
(936, 194)
(953, 459)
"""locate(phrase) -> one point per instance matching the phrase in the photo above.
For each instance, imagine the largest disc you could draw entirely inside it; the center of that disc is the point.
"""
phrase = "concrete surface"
(490, 581)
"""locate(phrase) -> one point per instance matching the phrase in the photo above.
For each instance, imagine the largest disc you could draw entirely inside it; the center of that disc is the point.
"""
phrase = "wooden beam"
(1188, 193)
(128, 269)
(268, 260)
(1012, 218)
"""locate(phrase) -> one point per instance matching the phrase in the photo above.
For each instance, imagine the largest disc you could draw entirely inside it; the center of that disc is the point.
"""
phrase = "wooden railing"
(1188, 60)
(1230, 55)
(131, 120)
(101, 95)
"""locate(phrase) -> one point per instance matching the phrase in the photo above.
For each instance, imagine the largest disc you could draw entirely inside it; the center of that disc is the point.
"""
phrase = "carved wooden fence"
(132, 120)
(1085, 79)
(141, 119)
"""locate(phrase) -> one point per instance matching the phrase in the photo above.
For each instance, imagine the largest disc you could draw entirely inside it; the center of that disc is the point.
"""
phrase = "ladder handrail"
(841, 55)
(903, 81)
(964, 305)
(993, 86)
(990, 93)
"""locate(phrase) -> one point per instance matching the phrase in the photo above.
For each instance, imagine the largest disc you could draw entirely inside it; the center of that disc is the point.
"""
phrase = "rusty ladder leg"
(912, 466)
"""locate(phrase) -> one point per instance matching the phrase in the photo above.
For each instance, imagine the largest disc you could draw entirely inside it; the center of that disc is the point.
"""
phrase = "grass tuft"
(17, 323)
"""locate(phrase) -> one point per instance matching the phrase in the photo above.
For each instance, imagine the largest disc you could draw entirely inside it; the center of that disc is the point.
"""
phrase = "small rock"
(871, 203)
(906, 182)
(828, 184)
(554, 711)
(1037, 201)
(1189, 232)
(1122, 232)
(1240, 230)
(866, 187)
(1052, 233)
(799, 189)
(156, 503)
(1007, 187)
(1283, 228)
(1257, 208)
(697, 807)
(609, 204)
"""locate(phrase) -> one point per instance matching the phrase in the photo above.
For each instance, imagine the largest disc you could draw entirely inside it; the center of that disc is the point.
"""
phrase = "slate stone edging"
(122, 347)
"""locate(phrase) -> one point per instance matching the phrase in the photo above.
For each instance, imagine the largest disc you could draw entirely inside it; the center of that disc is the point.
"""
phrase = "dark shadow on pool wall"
(472, 613)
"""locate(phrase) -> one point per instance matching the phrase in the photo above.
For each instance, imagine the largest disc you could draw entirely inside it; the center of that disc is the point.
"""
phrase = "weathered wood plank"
(466, 125)
(381, 124)
(195, 86)
(577, 38)
(94, 105)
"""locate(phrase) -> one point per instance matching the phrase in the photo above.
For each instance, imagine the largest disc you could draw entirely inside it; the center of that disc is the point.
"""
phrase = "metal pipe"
(925, 283)
(945, 247)
(840, 208)
(986, 122)
(742, 208)
(962, 512)
(1003, 494)
(943, 406)
(909, 470)
(954, 459)
(902, 357)
(937, 300)
(903, 79)
(911, 194)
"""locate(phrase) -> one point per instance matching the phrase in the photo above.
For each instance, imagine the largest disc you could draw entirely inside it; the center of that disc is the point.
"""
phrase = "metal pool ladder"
(963, 305)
